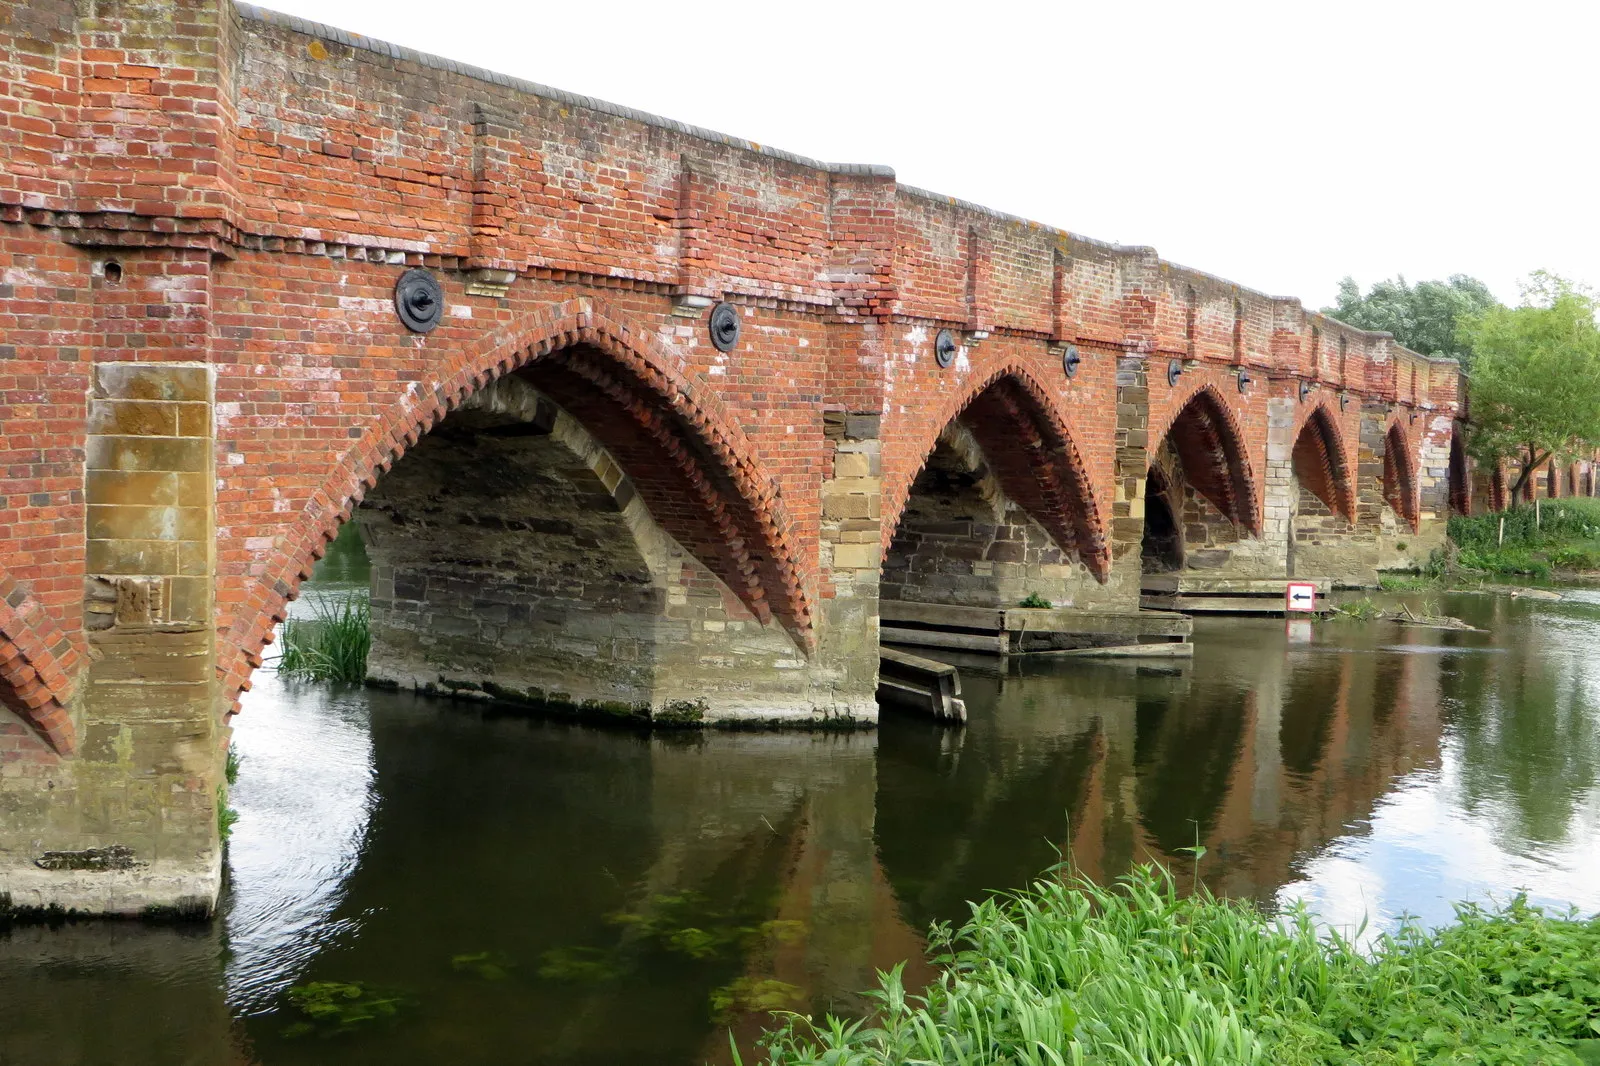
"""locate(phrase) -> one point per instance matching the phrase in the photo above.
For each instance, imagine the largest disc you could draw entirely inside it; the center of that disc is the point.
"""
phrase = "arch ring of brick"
(1218, 419)
(37, 663)
(1400, 466)
(775, 586)
(1332, 455)
(1045, 473)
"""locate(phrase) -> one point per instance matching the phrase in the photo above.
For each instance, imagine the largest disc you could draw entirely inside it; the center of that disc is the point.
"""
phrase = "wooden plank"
(1067, 620)
(1173, 650)
(901, 688)
(933, 638)
(1219, 604)
(940, 614)
(937, 701)
(916, 663)
(1243, 586)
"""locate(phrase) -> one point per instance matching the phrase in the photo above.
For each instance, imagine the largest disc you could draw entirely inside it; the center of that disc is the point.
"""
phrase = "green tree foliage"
(1425, 317)
(1535, 375)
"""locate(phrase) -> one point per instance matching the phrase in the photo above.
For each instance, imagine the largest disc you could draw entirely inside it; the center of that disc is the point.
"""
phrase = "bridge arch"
(1400, 476)
(1460, 481)
(998, 448)
(1207, 440)
(1199, 488)
(692, 465)
(36, 661)
(1321, 467)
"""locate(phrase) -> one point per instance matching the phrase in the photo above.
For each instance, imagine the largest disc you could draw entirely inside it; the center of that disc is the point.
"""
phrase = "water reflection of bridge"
(1261, 753)
(835, 849)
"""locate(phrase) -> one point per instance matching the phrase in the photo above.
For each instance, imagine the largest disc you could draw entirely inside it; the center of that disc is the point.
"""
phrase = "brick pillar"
(146, 782)
(1372, 511)
(852, 547)
(1433, 472)
(1282, 496)
(1132, 464)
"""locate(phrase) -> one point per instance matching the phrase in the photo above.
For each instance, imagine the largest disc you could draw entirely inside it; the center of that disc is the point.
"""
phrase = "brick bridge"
(570, 490)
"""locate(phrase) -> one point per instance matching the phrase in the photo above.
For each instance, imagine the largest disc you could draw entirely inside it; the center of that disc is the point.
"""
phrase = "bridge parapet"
(278, 129)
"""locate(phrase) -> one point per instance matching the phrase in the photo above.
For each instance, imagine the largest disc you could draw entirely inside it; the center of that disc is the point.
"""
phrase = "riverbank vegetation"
(1535, 377)
(1535, 367)
(332, 644)
(1531, 540)
(1070, 972)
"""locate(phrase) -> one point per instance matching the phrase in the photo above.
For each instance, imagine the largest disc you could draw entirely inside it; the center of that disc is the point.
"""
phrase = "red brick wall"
(260, 184)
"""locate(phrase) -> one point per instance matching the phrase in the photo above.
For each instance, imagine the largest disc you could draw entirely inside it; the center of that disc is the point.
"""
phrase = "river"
(506, 890)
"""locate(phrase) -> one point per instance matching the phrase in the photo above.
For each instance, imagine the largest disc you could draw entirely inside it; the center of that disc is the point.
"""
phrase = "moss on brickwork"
(681, 713)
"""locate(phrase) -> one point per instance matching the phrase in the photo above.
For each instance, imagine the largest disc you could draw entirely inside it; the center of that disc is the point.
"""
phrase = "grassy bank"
(1550, 538)
(331, 645)
(1069, 972)
(1536, 539)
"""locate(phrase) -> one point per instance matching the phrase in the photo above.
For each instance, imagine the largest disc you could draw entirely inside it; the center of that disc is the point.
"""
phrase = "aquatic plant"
(745, 995)
(489, 965)
(230, 766)
(1070, 972)
(1035, 600)
(227, 817)
(1362, 610)
(1576, 557)
(1510, 562)
(330, 646)
(582, 965)
(331, 1008)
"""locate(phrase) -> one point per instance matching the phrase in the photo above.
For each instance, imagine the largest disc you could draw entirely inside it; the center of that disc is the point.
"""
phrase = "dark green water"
(531, 892)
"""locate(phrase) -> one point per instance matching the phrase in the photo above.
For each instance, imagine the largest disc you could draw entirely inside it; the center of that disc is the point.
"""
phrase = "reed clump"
(1069, 973)
(332, 644)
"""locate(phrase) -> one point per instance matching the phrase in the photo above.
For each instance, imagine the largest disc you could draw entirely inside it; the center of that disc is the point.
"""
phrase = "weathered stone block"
(151, 381)
(854, 556)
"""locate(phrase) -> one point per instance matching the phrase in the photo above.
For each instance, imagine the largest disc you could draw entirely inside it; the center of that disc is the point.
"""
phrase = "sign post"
(1300, 596)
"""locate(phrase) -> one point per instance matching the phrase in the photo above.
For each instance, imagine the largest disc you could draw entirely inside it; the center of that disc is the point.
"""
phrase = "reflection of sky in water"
(1425, 851)
(1460, 832)
(305, 796)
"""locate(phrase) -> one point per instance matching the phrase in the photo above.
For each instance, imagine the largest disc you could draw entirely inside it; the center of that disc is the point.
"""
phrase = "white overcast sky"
(1281, 145)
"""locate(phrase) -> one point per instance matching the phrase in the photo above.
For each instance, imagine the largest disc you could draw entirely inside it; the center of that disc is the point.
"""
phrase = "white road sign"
(1300, 596)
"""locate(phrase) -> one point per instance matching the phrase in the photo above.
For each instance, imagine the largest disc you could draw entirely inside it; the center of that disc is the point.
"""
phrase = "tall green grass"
(332, 645)
(1070, 972)
(1561, 534)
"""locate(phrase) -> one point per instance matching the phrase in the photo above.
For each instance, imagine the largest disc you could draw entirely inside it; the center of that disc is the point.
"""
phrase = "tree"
(1535, 386)
(1425, 318)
